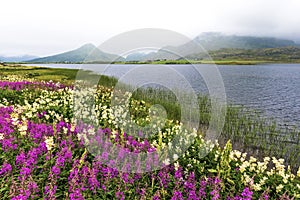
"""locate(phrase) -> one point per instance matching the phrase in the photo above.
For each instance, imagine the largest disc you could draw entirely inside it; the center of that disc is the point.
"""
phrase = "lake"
(273, 89)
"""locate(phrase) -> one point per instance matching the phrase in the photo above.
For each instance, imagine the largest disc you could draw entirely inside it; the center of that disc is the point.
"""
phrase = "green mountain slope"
(284, 54)
(216, 41)
(86, 53)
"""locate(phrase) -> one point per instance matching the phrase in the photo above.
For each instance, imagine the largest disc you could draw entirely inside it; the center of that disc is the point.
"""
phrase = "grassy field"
(65, 76)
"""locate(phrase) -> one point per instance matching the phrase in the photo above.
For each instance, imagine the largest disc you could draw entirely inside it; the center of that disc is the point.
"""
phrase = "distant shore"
(172, 62)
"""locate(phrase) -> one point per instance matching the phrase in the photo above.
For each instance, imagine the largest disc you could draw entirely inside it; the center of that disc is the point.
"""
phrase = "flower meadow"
(47, 154)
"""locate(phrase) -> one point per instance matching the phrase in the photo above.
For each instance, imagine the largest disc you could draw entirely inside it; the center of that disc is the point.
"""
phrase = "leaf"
(230, 181)
(212, 170)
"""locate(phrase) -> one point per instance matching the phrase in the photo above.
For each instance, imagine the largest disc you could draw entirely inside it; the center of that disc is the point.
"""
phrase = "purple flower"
(43, 147)
(92, 180)
(6, 168)
(164, 178)
(202, 189)
(177, 195)
(32, 186)
(7, 144)
(120, 195)
(50, 192)
(20, 197)
(125, 177)
(105, 156)
(55, 170)
(215, 194)
(76, 195)
(60, 161)
(38, 131)
(25, 172)
(193, 195)
(247, 194)
(265, 196)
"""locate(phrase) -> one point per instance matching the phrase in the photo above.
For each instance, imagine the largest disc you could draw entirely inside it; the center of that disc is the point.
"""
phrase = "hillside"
(284, 54)
(220, 47)
(215, 42)
(86, 53)
(16, 58)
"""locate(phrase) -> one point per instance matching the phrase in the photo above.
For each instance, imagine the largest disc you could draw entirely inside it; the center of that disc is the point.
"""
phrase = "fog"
(48, 27)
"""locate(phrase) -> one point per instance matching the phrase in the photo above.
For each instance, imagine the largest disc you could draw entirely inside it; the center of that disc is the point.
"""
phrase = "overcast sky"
(45, 27)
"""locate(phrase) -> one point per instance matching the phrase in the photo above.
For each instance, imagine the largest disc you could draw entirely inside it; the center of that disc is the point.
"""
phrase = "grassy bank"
(247, 130)
(46, 155)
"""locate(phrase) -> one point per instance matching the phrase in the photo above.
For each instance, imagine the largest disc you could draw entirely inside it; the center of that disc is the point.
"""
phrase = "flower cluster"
(45, 155)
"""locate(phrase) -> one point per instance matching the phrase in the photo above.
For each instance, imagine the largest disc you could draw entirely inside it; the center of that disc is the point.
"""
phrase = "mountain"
(135, 56)
(213, 41)
(85, 53)
(17, 58)
(219, 45)
(286, 54)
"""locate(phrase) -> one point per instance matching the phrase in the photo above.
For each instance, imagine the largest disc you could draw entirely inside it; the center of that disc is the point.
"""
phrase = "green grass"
(66, 76)
(248, 130)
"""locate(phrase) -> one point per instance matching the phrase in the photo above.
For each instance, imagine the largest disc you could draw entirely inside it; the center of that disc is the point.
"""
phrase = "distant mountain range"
(17, 58)
(212, 42)
(86, 53)
(219, 45)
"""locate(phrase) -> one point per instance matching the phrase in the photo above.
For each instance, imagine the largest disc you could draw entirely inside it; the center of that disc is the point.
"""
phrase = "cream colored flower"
(166, 161)
(176, 165)
(175, 156)
(49, 143)
(279, 188)
(257, 187)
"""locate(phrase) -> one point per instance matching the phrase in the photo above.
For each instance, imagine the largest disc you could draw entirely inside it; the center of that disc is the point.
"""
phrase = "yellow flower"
(270, 173)
(257, 187)
(267, 160)
(263, 180)
(279, 188)
(252, 159)
(298, 172)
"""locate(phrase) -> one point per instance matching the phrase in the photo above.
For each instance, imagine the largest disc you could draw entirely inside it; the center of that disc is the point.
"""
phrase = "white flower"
(166, 161)
(49, 143)
(175, 156)
(176, 165)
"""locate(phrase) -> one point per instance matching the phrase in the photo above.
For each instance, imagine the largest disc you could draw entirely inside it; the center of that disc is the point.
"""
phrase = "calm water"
(273, 89)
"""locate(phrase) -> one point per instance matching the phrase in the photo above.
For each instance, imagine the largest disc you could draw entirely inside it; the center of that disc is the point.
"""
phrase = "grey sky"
(47, 27)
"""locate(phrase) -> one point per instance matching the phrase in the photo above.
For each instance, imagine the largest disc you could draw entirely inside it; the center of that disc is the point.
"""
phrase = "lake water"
(272, 88)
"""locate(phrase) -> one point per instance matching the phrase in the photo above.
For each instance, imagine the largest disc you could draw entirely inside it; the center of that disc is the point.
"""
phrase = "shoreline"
(168, 62)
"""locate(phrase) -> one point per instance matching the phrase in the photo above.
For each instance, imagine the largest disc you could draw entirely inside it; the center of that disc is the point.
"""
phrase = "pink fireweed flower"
(24, 173)
(6, 169)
